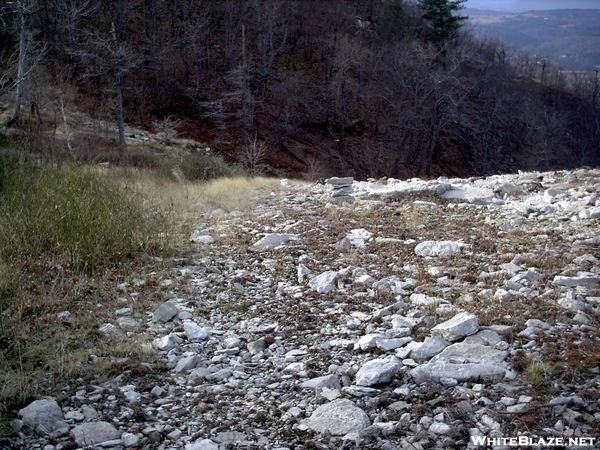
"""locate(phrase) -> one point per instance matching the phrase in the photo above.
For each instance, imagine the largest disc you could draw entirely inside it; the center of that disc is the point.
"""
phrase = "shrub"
(196, 166)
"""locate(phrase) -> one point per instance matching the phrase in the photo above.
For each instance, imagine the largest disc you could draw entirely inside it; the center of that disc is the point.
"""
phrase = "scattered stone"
(438, 248)
(338, 418)
(165, 312)
(194, 332)
(256, 347)
(586, 279)
(64, 317)
(230, 437)
(108, 328)
(199, 238)
(273, 240)
(361, 391)
(167, 342)
(461, 325)
(342, 245)
(377, 371)
(45, 412)
(187, 363)
(431, 347)
(324, 282)
(94, 433)
(324, 382)
(202, 444)
(130, 440)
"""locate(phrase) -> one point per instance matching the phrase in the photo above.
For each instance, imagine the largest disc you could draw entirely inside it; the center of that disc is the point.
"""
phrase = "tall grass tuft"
(75, 217)
(64, 230)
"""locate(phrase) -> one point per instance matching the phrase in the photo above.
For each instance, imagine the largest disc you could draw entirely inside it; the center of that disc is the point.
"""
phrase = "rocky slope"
(415, 314)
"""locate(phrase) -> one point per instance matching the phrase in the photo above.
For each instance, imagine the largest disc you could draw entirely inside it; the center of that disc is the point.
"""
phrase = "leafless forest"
(351, 87)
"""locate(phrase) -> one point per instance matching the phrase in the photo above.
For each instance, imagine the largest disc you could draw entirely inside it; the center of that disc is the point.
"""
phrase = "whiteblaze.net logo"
(526, 441)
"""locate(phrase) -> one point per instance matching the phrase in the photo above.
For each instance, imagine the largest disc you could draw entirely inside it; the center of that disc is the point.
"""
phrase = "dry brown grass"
(190, 200)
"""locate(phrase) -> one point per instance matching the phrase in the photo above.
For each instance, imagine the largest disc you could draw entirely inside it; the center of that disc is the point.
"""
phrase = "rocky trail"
(387, 315)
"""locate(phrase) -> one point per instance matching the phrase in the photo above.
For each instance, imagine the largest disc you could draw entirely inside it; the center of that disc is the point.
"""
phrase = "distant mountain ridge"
(528, 5)
(568, 37)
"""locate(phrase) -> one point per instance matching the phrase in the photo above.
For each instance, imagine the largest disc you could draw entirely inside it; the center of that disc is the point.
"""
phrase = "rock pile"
(340, 187)
(459, 309)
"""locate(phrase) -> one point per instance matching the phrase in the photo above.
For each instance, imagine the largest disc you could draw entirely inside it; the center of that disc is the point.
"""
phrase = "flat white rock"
(437, 248)
(273, 240)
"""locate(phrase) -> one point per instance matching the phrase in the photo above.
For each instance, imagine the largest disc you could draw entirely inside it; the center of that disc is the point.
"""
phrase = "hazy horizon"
(524, 5)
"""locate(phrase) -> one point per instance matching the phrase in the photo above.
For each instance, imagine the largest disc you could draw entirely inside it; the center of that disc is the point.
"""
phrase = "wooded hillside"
(336, 87)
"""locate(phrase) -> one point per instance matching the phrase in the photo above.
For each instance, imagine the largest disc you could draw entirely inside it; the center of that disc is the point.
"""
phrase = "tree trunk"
(245, 89)
(120, 119)
(20, 70)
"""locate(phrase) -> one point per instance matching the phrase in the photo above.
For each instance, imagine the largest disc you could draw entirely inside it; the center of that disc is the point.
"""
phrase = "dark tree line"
(363, 87)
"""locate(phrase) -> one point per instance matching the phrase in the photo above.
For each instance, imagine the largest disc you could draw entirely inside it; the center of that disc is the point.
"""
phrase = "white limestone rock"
(460, 372)
(378, 371)
(187, 363)
(94, 433)
(471, 194)
(324, 282)
(386, 345)
(483, 337)
(339, 181)
(303, 272)
(45, 412)
(199, 238)
(438, 248)
(273, 240)
(463, 362)
(165, 312)
(130, 440)
(586, 279)
(194, 332)
(338, 418)
(369, 341)
(167, 342)
(470, 353)
(202, 444)
(432, 345)
(324, 382)
(461, 325)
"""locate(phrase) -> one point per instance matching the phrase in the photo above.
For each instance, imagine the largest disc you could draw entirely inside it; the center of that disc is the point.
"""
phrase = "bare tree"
(253, 157)
(20, 11)
(167, 126)
(271, 38)
(215, 112)
(108, 58)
